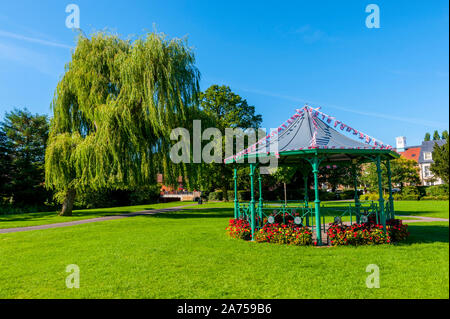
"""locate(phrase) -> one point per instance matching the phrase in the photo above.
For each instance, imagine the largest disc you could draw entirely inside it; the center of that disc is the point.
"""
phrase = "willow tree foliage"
(113, 112)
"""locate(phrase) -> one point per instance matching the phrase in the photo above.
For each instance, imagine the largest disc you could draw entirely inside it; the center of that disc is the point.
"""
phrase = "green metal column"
(305, 179)
(236, 200)
(391, 198)
(357, 203)
(315, 165)
(260, 206)
(252, 201)
(380, 192)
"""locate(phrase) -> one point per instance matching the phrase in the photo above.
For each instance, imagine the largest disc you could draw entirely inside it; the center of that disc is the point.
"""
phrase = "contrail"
(379, 115)
(33, 40)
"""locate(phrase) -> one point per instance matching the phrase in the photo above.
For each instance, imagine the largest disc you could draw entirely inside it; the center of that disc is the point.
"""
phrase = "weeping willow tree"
(113, 112)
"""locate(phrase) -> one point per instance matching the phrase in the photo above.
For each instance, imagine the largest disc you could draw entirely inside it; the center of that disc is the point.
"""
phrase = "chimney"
(400, 142)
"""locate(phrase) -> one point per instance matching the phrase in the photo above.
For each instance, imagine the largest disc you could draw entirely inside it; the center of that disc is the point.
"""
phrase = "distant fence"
(180, 195)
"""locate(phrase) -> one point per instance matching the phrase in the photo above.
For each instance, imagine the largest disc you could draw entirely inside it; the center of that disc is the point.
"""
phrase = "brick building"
(423, 155)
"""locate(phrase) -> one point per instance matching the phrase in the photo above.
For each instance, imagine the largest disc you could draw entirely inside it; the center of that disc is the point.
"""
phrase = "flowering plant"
(362, 234)
(397, 230)
(368, 233)
(289, 233)
(239, 228)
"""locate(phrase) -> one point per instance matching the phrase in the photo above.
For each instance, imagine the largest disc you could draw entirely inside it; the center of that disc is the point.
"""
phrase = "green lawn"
(425, 208)
(416, 208)
(42, 218)
(188, 255)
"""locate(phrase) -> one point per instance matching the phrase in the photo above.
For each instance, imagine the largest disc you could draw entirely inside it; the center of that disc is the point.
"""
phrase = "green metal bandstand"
(310, 139)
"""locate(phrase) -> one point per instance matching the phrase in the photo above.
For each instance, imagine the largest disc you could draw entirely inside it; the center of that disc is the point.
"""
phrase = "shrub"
(410, 197)
(422, 190)
(289, 234)
(239, 228)
(324, 196)
(437, 190)
(215, 196)
(347, 194)
(410, 190)
(370, 196)
(244, 195)
(397, 197)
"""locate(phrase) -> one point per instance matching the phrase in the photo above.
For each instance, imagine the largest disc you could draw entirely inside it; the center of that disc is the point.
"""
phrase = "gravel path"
(93, 220)
(420, 219)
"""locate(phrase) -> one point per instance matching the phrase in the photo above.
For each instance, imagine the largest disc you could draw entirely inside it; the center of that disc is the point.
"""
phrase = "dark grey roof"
(427, 146)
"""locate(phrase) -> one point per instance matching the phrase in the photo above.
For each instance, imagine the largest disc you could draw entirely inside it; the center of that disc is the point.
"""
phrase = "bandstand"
(311, 139)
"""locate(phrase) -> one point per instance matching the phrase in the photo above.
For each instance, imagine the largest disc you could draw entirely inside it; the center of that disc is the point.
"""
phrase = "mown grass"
(417, 208)
(187, 254)
(425, 208)
(43, 218)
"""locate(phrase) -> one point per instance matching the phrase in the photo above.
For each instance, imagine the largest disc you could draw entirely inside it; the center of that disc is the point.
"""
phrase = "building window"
(428, 156)
(426, 171)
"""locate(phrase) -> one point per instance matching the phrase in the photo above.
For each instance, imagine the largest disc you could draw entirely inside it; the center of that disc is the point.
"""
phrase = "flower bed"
(397, 230)
(278, 233)
(239, 228)
(289, 233)
(368, 233)
(362, 234)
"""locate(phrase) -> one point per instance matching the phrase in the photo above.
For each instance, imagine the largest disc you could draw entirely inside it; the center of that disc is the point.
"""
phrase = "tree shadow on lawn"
(85, 214)
(427, 234)
(194, 213)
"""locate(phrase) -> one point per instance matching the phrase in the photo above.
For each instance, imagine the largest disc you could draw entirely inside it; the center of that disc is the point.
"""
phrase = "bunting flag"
(316, 140)
(368, 139)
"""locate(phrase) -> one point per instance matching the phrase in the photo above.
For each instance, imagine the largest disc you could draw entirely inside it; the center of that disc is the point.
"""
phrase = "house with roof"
(423, 155)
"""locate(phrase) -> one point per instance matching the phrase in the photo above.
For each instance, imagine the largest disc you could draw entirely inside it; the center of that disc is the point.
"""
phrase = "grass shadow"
(427, 234)
(195, 213)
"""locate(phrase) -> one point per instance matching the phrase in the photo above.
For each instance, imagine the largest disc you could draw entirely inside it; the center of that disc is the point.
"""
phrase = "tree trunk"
(68, 203)
(225, 193)
(285, 195)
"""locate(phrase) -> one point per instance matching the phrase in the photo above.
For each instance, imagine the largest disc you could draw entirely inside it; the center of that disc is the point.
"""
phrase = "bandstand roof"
(312, 132)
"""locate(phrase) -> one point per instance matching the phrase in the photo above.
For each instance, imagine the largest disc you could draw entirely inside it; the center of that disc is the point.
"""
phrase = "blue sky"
(278, 55)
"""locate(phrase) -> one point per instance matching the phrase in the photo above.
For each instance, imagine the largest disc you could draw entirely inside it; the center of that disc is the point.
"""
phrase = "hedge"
(214, 196)
(437, 190)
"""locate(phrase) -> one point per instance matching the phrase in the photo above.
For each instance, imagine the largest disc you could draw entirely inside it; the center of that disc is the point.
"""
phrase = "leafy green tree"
(113, 112)
(284, 174)
(339, 175)
(440, 165)
(427, 137)
(5, 166)
(403, 172)
(436, 136)
(226, 110)
(26, 136)
(444, 135)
